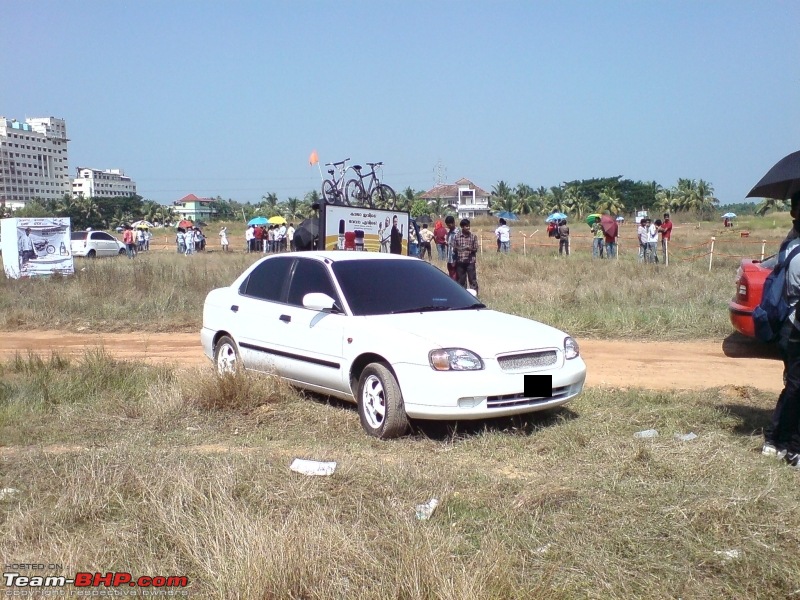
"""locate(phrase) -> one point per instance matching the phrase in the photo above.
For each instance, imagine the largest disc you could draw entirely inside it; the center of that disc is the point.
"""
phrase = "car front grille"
(525, 362)
(513, 400)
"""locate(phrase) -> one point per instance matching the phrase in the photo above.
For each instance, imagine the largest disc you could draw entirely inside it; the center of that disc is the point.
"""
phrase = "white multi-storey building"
(33, 160)
(111, 183)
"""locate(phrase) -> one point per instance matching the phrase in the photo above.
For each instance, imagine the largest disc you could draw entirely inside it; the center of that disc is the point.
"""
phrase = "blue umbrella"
(729, 215)
(508, 216)
(258, 221)
(556, 217)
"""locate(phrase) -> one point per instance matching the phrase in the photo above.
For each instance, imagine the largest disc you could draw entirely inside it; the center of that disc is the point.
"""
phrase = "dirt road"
(651, 365)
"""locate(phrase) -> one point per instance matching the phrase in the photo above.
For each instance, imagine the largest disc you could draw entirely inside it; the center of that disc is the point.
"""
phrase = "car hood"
(487, 332)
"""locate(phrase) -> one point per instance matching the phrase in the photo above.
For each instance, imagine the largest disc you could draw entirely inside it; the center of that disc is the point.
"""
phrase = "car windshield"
(380, 287)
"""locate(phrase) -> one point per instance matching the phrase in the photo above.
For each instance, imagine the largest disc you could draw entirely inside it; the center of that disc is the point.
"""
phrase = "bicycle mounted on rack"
(375, 194)
(333, 189)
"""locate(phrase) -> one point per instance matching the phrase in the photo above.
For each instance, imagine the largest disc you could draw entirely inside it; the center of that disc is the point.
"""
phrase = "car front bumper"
(491, 392)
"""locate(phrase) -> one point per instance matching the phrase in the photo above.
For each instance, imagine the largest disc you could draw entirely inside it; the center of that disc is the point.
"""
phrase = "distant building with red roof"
(467, 198)
(193, 208)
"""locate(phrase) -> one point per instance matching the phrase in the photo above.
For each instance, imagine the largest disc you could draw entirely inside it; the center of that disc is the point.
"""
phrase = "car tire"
(226, 356)
(380, 403)
(91, 254)
(122, 252)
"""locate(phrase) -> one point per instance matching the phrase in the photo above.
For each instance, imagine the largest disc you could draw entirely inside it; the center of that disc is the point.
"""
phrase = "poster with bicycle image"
(36, 246)
(366, 229)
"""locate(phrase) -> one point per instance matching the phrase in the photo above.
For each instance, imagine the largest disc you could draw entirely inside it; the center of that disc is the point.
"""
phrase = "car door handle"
(285, 318)
(234, 308)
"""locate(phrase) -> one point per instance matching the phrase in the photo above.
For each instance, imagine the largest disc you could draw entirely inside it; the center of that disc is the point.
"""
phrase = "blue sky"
(230, 98)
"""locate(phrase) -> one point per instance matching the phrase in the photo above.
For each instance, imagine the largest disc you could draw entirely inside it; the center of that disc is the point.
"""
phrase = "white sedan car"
(393, 334)
(95, 243)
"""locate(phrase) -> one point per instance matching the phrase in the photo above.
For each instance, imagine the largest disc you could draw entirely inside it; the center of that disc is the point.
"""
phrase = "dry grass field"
(109, 465)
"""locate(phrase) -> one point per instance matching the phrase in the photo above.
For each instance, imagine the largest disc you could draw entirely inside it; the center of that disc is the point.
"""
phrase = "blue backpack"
(773, 310)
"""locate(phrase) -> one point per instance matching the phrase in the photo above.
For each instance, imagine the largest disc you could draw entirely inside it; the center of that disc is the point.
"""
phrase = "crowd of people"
(263, 238)
(648, 233)
(189, 240)
(135, 240)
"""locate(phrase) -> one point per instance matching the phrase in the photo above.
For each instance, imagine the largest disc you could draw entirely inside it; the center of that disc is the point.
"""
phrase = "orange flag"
(313, 159)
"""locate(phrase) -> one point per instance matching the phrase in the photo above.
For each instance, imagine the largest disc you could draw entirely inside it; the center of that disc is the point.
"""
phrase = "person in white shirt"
(503, 234)
(652, 241)
(281, 238)
(249, 236)
(641, 232)
(223, 238)
(290, 236)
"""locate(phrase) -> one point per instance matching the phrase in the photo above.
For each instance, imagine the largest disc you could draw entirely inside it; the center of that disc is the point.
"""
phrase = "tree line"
(578, 198)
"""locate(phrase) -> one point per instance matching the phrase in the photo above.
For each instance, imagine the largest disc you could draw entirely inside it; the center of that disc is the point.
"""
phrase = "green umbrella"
(592, 218)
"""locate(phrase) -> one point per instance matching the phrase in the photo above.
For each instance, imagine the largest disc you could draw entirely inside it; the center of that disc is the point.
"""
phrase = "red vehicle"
(749, 287)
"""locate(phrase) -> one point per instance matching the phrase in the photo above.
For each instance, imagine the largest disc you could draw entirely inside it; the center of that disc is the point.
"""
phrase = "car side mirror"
(318, 301)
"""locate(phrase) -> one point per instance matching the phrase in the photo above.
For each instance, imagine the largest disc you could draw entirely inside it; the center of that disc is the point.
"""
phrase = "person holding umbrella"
(782, 437)
(610, 231)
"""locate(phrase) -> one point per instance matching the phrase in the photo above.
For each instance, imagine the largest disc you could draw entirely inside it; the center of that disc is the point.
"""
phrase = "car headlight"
(454, 359)
(571, 349)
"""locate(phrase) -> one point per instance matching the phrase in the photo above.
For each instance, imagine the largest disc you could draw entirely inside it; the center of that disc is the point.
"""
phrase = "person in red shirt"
(440, 239)
(127, 239)
(666, 232)
(258, 240)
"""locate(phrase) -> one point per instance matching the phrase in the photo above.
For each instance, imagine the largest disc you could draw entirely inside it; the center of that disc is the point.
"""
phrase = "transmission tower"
(440, 173)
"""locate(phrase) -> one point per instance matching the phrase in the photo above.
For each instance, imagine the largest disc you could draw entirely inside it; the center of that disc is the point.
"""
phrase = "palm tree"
(610, 201)
(708, 203)
(576, 202)
(667, 200)
(439, 207)
(768, 204)
(556, 197)
(269, 205)
(296, 210)
(507, 204)
(501, 190)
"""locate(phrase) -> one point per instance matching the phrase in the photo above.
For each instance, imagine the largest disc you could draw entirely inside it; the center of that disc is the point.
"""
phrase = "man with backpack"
(782, 438)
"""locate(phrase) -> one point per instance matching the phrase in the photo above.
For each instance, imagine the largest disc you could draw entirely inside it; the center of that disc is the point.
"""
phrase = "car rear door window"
(268, 279)
(310, 276)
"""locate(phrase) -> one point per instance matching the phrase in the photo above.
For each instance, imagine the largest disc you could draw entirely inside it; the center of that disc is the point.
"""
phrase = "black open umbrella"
(423, 219)
(781, 181)
(306, 233)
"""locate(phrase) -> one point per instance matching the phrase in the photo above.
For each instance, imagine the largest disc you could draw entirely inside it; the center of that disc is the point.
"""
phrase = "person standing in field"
(666, 235)
(223, 238)
(652, 241)
(426, 236)
(503, 234)
(563, 237)
(450, 223)
(290, 236)
(782, 437)
(128, 240)
(641, 233)
(610, 232)
(249, 236)
(597, 240)
(465, 248)
(440, 239)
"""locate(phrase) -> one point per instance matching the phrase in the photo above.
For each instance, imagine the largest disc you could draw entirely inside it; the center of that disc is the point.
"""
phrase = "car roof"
(341, 256)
